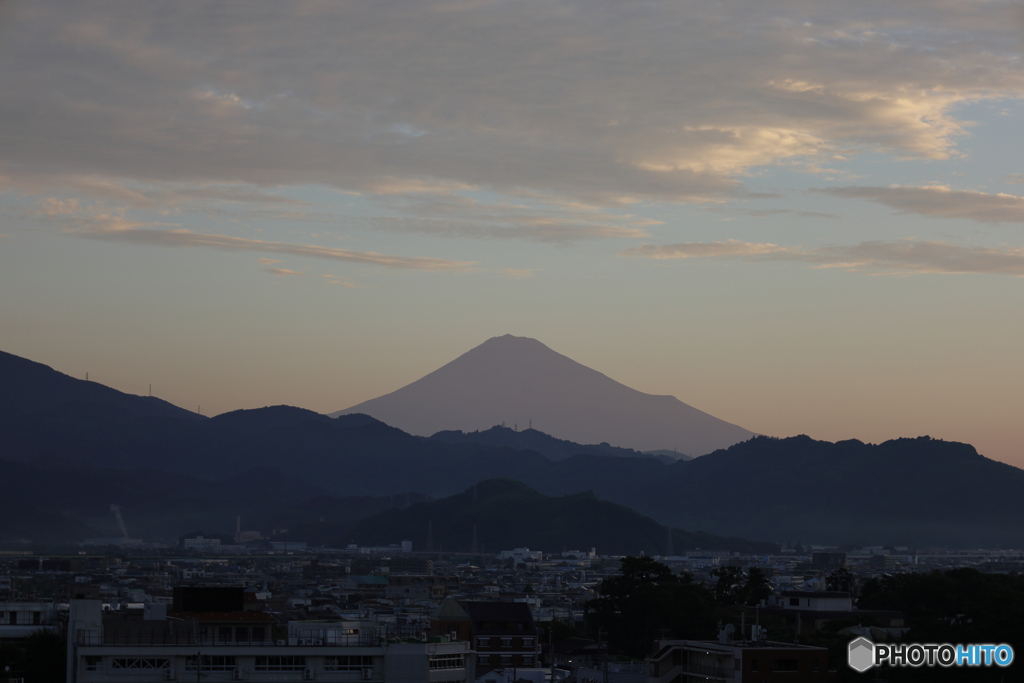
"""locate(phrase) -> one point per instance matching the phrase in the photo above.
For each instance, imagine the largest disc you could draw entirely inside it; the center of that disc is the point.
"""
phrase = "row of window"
(505, 642)
(487, 660)
(235, 634)
(281, 663)
(267, 663)
(140, 663)
(448, 662)
(211, 663)
(21, 618)
(347, 663)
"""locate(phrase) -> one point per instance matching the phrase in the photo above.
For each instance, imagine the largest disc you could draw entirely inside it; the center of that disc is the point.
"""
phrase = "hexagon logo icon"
(861, 654)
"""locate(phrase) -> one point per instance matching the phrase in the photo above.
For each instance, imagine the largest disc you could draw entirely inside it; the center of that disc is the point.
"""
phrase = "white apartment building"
(20, 619)
(246, 646)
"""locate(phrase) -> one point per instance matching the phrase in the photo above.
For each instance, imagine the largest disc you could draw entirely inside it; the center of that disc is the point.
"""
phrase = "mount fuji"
(518, 380)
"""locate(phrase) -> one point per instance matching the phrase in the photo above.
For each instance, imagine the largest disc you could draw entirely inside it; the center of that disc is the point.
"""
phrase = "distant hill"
(68, 503)
(903, 492)
(508, 514)
(539, 442)
(30, 387)
(669, 456)
(514, 379)
(263, 420)
(918, 491)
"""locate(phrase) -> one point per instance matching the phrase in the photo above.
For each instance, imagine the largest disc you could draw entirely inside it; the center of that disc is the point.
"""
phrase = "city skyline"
(798, 218)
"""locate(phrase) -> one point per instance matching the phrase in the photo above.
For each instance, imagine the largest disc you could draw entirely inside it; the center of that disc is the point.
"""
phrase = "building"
(200, 543)
(503, 634)
(420, 587)
(827, 561)
(807, 611)
(159, 645)
(816, 601)
(688, 661)
(521, 555)
(20, 619)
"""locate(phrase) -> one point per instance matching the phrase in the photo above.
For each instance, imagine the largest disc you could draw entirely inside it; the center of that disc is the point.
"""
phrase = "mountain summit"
(514, 380)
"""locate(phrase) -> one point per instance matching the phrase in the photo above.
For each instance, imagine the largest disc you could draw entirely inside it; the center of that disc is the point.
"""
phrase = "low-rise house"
(688, 661)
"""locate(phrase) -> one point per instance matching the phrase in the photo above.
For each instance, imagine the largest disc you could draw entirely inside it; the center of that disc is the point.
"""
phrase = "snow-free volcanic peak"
(512, 380)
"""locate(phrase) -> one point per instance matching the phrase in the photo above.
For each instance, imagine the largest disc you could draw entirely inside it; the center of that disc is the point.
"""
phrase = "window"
(347, 663)
(483, 659)
(140, 663)
(241, 634)
(794, 602)
(753, 665)
(224, 634)
(786, 665)
(448, 662)
(280, 663)
(93, 663)
(506, 642)
(258, 634)
(506, 659)
(527, 642)
(527, 660)
(211, 663)
(483, 642)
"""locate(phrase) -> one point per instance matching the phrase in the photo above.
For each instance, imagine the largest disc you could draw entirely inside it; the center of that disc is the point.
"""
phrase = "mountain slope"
(508, 514)
(539, 442)
(30, 387)
(515, 379)
(902, 492)
(918, 491)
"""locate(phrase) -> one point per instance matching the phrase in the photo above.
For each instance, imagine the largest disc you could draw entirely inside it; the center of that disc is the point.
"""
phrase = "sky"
(801, 217)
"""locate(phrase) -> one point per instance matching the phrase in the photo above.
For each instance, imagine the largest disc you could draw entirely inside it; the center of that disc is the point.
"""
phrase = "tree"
(646, 600)
(729, 586)
(45, 658)
(757, 587)
(840, 580)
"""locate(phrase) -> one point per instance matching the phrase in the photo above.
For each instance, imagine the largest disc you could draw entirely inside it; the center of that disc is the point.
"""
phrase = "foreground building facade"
(243, 646)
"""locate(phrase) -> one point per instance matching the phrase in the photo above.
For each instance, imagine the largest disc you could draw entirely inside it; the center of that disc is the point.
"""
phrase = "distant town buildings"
(288, 613)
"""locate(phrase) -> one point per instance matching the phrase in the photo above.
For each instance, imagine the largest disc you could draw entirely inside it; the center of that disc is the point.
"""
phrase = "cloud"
(267, 261)
(95, 223)
(282, 271)
(765, 213)
(939, 201)
(518, 273)
(340, 281)
(898, 257)
(1015, 178)
(603, 101)
(529, 217)
(186, 238)
(728, 248)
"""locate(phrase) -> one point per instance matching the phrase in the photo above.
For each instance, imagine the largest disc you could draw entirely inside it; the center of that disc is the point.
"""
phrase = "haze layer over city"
(799, 218)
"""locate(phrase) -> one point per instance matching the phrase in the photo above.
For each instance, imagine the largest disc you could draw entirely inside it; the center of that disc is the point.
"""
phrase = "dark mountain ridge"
(508, 514)
(31, 387)
(902, 492)
(537, 441)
